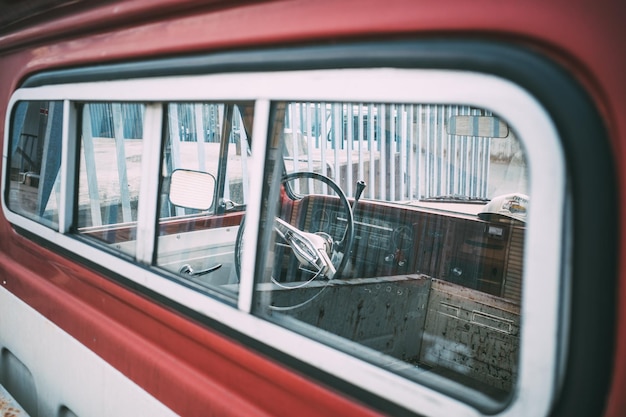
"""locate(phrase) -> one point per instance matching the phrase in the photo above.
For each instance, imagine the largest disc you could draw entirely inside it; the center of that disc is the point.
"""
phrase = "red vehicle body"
(199, 366)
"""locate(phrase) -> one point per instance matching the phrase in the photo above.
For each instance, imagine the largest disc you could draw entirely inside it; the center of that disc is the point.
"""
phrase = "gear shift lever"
(360, 186)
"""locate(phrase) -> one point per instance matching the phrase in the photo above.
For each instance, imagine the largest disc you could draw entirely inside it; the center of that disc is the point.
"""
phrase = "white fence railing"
(403, 152)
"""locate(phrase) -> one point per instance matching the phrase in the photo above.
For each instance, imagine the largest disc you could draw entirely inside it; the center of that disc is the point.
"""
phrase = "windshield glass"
(411, 154)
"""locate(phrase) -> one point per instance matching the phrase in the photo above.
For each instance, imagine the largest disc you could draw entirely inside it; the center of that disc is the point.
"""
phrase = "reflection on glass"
(110, 173)
(204, 192)
(35, 160)
(415, 263)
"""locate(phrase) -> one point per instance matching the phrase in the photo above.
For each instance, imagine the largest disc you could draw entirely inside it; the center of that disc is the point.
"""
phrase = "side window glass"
(204, 191)
(422, 275)
(35, 160)
(110, 172)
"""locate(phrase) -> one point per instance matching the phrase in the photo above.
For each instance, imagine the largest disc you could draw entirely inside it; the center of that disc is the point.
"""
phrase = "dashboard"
(369, 229)
(391, 240)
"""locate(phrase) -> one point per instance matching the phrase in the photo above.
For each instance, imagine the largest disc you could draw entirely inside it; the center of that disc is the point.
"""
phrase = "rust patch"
(8, 406)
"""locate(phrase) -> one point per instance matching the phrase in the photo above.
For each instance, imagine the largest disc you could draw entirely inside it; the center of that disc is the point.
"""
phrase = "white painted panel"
(66, 373)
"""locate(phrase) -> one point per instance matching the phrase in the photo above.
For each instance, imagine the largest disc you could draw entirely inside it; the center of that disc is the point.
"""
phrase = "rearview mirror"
(477, 126)
(192, 189)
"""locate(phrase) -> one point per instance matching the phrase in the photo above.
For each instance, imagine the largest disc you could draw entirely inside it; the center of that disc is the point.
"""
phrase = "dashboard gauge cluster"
(369, 229)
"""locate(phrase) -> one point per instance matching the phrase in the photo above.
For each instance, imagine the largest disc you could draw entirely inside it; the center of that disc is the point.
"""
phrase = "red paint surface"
(121, 326)
(190, 368)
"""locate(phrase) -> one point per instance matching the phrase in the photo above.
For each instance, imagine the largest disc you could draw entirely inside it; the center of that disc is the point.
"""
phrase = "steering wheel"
(339, 250)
